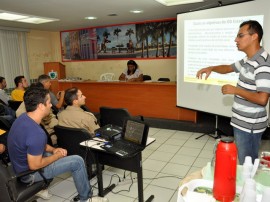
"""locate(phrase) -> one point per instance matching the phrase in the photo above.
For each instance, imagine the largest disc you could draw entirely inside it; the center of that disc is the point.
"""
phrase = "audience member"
(48, 122)
(58, 100)
(132, 73)
(28, 148)
(3, 95)
(18, 92)
(75, 117)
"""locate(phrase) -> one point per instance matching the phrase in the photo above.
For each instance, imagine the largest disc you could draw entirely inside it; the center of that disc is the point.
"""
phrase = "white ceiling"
(72, 12)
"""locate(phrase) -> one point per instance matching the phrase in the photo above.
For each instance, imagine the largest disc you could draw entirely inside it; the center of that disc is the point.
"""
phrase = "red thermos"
(225, 170)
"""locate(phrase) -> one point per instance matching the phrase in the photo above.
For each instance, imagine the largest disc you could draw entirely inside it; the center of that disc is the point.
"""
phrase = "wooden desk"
(155, 99)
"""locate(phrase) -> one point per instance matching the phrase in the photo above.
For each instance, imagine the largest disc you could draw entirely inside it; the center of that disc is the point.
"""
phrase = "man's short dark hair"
(33, 97)
(43, 77)
(71, 95)
(1, 79)
(254, 27)
(17, 80)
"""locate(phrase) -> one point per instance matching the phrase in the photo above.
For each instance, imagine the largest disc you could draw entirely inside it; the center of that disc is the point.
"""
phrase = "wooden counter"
(153, 99)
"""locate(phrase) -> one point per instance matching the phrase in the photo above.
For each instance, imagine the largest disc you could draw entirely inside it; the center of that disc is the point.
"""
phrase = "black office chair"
(146, 77)
(12, 189)
(70, 139)
(115, 116)
(14, 104)
(163, 79)
(2, 102)
(4, 124)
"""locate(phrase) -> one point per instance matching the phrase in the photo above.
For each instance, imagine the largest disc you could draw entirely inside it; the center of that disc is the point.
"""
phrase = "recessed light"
(177, 2)
(113, 14)
(136, 11)
(7, 15)
(90, 18)
(11, 16)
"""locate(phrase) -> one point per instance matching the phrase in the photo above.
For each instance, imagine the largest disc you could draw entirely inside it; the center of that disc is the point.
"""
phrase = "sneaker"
(44, 194)
(76, 198)
(93, 199)
(98, 199)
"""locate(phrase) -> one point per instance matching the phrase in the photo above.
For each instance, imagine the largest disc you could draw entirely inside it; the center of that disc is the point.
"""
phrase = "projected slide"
(209, 42)
(206, 38)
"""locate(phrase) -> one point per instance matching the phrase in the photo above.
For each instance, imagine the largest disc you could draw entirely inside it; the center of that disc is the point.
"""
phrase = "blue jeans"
(247, 144)
(75, 165)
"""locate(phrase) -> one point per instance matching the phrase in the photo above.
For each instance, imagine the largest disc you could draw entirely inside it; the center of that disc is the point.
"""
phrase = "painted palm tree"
(105, 35)
(142, 33)
(129, 33)
(170, 27)
(116, 33)
(156, 33)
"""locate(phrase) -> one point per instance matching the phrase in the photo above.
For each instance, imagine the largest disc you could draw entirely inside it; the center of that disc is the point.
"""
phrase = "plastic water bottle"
(225, 170)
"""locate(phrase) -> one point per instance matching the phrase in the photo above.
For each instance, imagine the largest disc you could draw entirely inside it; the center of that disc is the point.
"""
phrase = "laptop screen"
(135, 131)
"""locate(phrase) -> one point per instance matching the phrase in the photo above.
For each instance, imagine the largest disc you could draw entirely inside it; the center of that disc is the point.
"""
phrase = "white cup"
(266, 194)
(249, 185)
(250, 196)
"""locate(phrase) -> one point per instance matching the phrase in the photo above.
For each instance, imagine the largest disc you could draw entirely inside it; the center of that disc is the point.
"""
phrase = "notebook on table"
(133, 139)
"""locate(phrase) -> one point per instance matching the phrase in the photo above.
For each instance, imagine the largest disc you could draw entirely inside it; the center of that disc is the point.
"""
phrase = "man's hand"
(228, 89)
(206, 71)
(2, 148)
(60, 94)
(62, 151)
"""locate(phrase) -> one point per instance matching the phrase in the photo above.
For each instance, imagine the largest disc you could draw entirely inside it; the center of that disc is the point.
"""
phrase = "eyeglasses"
(242, 35)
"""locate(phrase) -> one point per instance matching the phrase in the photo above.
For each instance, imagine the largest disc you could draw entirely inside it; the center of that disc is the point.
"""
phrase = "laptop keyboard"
(126, 146)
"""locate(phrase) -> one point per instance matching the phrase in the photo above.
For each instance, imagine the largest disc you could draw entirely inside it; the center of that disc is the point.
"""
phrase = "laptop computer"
(133, 139)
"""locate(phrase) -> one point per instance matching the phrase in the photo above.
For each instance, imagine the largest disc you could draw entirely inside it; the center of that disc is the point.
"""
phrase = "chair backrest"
(163, 79)
(114, 116)
(12, 189)
(107, 77)
(14, 104)
(146, 77)
(4, 124)
(70, 139)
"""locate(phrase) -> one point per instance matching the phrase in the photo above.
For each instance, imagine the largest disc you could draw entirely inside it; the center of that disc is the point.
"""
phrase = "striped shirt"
(254, 77)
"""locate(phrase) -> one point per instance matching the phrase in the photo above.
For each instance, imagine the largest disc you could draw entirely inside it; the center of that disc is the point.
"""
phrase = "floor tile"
(166, 181)
(206, 154)
(195, 144)
(160, 194)
(53, 199)
(189, 151)
(201, 162)
(174, 197)
(118, 198)
(161, 156)
(63, 189)
(146, 153)
(174, 141)
(182, 135)
(175, 169)
(161, 140)
(183, 159)
(153, 165)
(168, 148)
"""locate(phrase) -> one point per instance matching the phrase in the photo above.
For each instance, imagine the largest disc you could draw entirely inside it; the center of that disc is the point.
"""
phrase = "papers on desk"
(92, 144)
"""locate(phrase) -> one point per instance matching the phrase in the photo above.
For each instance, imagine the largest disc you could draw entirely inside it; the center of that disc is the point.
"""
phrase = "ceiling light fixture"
(6, 15)
(177, 2)
(90, 18)
(136, 11)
